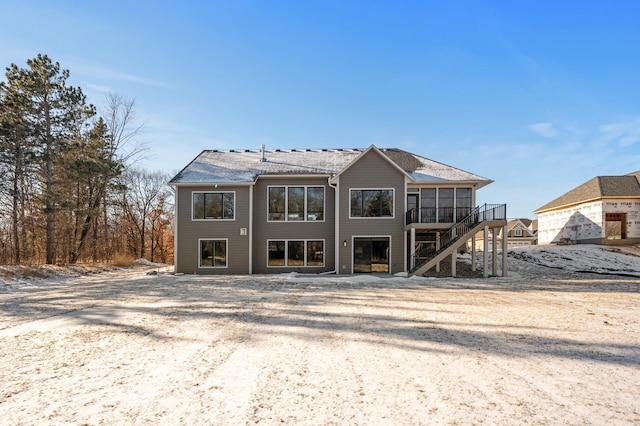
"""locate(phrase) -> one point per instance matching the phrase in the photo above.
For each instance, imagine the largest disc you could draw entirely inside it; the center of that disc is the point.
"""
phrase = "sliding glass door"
(371, 254)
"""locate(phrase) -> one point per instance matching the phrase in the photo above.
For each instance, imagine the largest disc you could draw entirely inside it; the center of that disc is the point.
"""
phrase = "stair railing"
(458, 230)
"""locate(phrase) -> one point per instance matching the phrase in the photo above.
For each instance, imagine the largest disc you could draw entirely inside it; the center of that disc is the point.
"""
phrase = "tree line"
(69, 189)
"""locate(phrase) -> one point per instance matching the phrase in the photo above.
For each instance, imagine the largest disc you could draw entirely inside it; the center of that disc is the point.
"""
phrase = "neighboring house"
(341, 211)
(604, 210)
(520, 232)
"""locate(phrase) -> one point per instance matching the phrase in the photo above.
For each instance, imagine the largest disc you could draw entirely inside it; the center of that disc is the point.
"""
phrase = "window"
(463, 203)
(315, 253)
(213, 205)
(295, 253)
(276, 253)
(445, 204)
(276, 203)
(213, 253)
(440, 205)
(429, 213)
(371, 203)
(296, 203)
(315, 203)
(517, 232)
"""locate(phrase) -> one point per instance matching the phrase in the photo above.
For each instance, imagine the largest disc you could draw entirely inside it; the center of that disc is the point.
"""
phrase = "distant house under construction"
(604, 210)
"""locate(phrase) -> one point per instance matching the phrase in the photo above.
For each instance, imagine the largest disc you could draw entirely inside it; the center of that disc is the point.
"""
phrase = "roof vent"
(232, 150)
(262, 157)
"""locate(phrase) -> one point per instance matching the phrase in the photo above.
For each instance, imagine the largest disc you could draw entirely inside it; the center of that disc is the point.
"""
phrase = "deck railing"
(437, 214)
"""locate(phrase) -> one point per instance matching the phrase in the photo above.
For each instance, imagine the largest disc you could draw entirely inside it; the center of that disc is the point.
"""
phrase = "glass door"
(371, 254)
(412, 208)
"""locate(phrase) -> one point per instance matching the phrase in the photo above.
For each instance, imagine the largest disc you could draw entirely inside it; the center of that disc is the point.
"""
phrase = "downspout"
(404, 220)
(336, 241)
(175, 229)
(250, 236)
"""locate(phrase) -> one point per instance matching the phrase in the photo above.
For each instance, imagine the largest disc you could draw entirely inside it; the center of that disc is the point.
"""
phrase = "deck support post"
(437, 248)
(473, 253)
(494, 258)
(453, 263)
(504, 251)
(413, 248)
(485, 256)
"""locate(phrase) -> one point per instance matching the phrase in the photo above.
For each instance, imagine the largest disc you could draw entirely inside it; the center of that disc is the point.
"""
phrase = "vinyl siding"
(189, 232)
(372, 172)
(265, 230)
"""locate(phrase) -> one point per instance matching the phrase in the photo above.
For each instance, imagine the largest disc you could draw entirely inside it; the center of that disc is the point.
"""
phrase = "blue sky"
(538, 96)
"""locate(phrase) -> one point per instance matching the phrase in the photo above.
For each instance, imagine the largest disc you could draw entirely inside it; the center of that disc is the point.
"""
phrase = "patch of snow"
(146, 262)
(580, 258)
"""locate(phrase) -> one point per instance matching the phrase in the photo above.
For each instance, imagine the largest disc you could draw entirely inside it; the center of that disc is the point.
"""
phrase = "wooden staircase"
(462, 231)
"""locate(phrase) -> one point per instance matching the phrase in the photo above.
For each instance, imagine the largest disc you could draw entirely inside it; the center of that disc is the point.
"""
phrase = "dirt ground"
(541, 346)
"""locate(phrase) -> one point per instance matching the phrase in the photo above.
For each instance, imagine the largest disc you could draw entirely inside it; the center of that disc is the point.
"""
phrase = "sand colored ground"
(542, 346)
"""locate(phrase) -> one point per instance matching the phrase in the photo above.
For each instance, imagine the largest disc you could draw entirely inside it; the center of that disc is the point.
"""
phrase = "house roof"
(385, 157)
(523, 221)
(245, 165)
(598, 187)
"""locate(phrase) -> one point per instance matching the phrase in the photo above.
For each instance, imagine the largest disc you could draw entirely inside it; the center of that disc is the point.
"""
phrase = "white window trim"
(286, 250)
(226, 240)
(393, 203)
(286, 203)
(214, 192)
(517, 232)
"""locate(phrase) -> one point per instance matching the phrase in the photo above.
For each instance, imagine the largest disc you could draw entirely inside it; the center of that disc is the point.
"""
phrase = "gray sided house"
(340, 211)
(603, 210)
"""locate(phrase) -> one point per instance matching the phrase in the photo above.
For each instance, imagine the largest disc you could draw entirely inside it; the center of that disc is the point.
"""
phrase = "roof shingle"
(598, 187)
(244, 165)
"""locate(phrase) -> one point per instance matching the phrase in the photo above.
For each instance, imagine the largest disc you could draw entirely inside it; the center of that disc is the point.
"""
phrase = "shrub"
(122, 261)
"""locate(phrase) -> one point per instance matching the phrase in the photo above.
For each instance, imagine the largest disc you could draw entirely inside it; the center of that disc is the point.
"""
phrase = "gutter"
(336, 240)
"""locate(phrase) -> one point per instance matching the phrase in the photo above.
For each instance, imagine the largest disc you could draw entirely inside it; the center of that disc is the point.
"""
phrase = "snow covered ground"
(557, 341)
(624, 260)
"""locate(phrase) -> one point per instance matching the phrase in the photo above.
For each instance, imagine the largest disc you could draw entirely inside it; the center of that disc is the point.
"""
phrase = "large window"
(439, 205)
(463, 203)
(445, 204)
(315, 203)
(371, 203)
(213, 253)
(428, 202)
(296, 203)
(213, 205)
(295, 253)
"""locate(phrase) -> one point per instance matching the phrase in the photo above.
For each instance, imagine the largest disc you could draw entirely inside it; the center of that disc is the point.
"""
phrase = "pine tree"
(91, 166)
(54, 113)
(17, 155)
